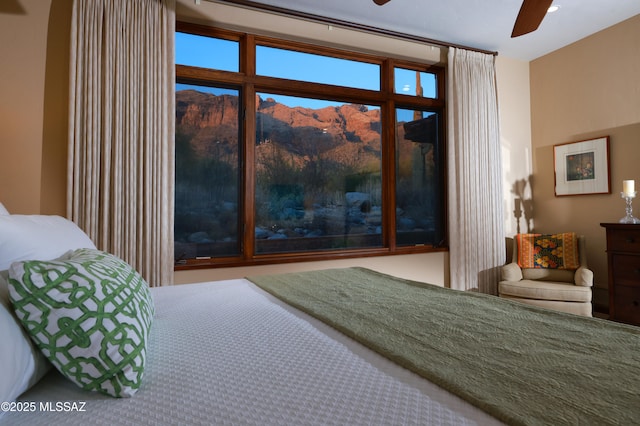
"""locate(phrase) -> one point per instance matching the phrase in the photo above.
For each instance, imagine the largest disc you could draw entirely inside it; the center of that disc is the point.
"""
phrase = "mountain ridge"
(344, 133)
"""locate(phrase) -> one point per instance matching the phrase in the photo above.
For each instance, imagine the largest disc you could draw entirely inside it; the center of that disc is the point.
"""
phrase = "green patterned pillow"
(90, 313)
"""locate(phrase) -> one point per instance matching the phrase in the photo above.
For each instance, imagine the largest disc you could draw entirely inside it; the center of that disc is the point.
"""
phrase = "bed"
(280, 350)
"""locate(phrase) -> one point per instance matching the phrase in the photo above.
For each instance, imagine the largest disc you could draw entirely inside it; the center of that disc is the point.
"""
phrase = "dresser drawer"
(627, 304)
(626, 270)
(627, 240)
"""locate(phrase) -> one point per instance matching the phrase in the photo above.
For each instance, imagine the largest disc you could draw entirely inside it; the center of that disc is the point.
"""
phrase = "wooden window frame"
(250, 83)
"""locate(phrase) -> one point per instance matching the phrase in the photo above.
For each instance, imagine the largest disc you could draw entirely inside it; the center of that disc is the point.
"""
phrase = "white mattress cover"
(227, 352)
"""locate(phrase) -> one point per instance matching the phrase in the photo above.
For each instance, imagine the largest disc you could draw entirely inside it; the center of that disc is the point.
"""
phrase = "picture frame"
(582, 167)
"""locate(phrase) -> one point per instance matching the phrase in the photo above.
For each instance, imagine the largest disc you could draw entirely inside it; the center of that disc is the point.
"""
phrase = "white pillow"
(36, 237)
(3, 210)
(24, 237)
(22, 362)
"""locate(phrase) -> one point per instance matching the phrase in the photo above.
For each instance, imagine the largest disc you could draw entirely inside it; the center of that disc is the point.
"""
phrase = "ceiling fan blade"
(380, 2)
(530, 16)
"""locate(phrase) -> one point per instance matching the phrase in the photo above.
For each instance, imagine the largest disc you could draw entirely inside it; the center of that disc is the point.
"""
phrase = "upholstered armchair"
(549, 271)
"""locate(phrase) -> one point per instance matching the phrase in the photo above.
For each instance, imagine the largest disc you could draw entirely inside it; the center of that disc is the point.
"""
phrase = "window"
(207, 52)
(207, 187)
(418, 189)
(318, 177)
(286, 151)
(415, 83)
(293, 65)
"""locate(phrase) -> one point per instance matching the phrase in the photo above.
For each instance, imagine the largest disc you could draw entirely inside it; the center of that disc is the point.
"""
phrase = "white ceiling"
(481, 24)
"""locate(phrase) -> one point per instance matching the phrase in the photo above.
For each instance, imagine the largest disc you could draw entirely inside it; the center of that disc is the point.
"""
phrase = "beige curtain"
(121, 130)
(476, 225)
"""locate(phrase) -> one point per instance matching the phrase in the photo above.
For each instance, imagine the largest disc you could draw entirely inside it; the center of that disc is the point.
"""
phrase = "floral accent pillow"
(90, 314)
(553, 251)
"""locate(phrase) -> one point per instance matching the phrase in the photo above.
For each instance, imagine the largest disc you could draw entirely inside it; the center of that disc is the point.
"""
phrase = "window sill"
(227, 262)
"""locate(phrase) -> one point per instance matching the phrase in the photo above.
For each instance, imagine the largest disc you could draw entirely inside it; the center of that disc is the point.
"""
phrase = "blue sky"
(221, 54)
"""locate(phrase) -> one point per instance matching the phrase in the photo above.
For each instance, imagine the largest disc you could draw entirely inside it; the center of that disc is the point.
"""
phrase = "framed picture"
(582, 167)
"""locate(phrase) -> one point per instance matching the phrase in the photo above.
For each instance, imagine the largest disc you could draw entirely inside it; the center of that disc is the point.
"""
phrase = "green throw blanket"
(519, 363)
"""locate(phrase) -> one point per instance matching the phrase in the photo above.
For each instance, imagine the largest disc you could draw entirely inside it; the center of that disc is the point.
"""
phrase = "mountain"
(347, 134)
(208, 122)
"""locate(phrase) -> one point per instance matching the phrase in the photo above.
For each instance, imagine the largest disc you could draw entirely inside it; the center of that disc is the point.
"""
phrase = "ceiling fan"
(529, 18)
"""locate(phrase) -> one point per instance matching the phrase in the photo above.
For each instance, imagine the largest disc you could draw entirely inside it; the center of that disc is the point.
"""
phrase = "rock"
(199, 237)
(278, 236)
(262, 234)
(355, 199)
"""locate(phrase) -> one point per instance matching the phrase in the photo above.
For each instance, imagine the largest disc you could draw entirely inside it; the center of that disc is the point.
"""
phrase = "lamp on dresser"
(623, 256)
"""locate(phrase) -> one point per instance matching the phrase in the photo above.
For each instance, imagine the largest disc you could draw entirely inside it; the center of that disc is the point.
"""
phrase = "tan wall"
(588, 89)
(33, 117)
(21, 103)
(241, 19)
(515, 137)
(33, 104)
(427, 267)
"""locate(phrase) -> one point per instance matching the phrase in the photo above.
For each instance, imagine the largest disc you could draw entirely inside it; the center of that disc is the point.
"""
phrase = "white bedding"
(226, 352)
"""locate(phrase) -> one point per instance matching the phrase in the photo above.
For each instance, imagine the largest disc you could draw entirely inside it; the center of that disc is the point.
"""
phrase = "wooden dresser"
(623, 253)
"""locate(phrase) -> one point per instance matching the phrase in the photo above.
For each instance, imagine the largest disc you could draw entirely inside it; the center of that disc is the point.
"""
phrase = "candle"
(628, 187)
